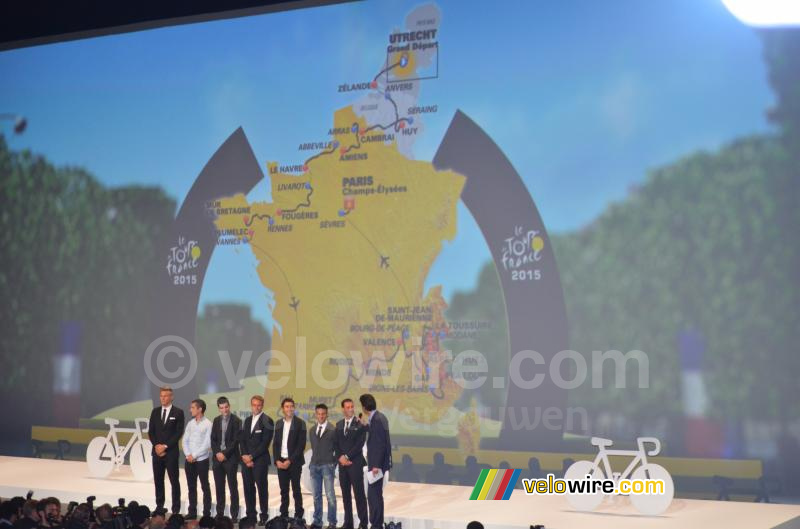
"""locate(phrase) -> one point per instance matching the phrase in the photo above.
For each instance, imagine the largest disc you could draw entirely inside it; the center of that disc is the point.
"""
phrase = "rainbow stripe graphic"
(495, 484)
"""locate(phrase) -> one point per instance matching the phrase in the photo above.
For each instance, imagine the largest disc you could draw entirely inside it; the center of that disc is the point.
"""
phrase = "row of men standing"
(230, 443)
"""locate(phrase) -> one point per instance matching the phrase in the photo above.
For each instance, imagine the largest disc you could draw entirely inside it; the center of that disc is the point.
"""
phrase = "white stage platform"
(415, 505)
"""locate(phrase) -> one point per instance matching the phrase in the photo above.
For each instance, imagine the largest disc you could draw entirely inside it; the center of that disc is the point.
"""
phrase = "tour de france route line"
(397, 124)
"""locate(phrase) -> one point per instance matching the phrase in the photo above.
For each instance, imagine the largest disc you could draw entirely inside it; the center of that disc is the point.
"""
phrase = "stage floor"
(415, 505)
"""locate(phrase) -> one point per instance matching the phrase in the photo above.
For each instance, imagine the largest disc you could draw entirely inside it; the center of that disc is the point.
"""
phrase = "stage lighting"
(765, 13)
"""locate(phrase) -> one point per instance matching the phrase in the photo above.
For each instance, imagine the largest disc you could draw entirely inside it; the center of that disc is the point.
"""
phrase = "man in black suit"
(379, 457)
(348, 449)
(256, 435)
(288, 447)
(165, 430)
(225, 456)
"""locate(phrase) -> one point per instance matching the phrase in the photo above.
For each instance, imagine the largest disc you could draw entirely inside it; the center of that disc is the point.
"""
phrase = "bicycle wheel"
(653, 504)
(140, 457)
(578, 472)
(100, 457)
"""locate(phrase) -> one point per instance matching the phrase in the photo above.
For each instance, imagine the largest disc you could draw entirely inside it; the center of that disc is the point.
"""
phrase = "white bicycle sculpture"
(650, 504)
(105, 454)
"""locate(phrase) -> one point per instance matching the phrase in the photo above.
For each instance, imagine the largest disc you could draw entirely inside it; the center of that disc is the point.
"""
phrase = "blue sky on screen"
(583, 97)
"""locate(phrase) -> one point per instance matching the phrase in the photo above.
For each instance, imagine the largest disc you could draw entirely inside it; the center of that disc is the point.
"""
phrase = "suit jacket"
(352, 444)
(231, 437)
(379, 444)
(296, 444)
(256, 442)
(322, 449)
(167, 433)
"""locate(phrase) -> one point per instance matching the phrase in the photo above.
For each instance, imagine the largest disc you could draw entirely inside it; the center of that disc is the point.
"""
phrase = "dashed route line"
(285, 278)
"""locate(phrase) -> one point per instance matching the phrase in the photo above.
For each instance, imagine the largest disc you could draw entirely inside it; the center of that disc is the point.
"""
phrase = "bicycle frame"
(113, 430)
(639, 456)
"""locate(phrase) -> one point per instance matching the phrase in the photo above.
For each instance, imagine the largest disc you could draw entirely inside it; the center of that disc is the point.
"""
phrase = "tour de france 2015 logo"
(182, 262)
(521, 253)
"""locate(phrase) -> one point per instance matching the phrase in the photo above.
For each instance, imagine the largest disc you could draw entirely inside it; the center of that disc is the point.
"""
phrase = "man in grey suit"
(323, 466)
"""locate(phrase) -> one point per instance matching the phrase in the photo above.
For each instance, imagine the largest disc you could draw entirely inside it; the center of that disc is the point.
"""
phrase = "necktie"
(319, 431)
(224, 429)
(346, 426)
(163, 415)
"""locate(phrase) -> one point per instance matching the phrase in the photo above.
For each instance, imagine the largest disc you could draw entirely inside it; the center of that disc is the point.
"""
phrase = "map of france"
(349, 238)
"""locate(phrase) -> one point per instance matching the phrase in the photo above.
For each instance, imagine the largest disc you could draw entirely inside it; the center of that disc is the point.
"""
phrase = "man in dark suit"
(256, 435)
(288, 447)
(379, 457)
(348, 450)
(165, 430)
(225, 456)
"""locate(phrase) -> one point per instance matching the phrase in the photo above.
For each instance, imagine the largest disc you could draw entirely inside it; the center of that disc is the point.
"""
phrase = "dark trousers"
(198, 469)
(291, 476)
(375, 498)
(253, 478)
(352, 477)
(228, 469)
(168, 464)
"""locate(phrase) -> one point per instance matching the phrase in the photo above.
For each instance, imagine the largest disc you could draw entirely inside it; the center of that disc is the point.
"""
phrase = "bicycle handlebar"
(654, 441)
(145, 422)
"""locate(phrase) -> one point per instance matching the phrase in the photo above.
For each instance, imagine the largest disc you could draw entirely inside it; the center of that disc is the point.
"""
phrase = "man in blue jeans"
(322, 466)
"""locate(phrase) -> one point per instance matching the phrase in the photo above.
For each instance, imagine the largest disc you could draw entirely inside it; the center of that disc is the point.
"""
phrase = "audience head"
(223, 523)
(247, 523)
(140, 516)
(17, 502)
(29, 510)
(438, 459)
(175, 521)
(81, 516)
(8, 512)
(49, 511)
(206, 522)
(158, 519)
(103, 513)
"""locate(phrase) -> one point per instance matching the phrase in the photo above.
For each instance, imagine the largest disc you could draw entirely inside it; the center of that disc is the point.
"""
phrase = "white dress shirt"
(320, 429)
(287, 425)
(165, 416)
(197, 439)
(255, 421)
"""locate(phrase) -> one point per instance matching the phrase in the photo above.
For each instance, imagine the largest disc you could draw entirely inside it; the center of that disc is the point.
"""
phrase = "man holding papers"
(379, 457)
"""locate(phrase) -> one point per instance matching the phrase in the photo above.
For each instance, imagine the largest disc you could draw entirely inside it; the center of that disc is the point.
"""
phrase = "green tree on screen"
(74, 250)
